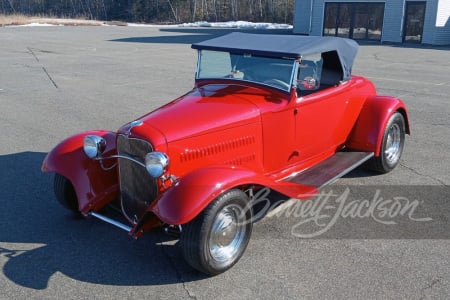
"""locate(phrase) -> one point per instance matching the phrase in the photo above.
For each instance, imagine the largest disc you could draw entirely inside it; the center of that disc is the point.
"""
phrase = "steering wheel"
(308, 83)
(278, 83)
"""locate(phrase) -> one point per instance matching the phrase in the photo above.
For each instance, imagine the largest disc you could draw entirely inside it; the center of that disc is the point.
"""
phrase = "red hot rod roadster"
(281, 112)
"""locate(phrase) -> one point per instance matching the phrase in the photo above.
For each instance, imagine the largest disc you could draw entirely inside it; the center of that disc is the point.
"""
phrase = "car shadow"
(361, 171)
(39, 238)
(193, 35)
(403, 45)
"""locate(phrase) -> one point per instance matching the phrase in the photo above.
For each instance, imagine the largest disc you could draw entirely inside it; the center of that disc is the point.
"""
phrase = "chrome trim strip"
(132, 125)
(197, 71)
(107, 168)
(294, 74)
(123, 156)
(110, 221)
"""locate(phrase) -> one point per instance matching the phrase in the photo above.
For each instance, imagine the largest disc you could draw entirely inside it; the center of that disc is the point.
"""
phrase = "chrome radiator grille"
(138, 189)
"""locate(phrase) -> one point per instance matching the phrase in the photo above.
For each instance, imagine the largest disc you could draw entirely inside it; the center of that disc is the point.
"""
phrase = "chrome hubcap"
(393, 144)
(227, 233)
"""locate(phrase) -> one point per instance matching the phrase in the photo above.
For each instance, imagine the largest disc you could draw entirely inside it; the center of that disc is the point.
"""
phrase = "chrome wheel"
(227, 233)
(216, 239)
(393, 144)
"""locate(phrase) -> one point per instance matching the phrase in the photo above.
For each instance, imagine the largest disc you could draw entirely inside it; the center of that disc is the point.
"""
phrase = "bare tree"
(157, 10)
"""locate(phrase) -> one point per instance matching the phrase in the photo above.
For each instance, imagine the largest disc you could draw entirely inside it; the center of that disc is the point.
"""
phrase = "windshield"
(275, 72)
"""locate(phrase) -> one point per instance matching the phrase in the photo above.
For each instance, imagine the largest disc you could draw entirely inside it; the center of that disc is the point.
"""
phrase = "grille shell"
(137, 188)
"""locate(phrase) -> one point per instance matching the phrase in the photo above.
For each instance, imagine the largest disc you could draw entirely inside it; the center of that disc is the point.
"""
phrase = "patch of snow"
(229, 24)
(237, 24)
(38, 25)
(44, 22)
(150, 25)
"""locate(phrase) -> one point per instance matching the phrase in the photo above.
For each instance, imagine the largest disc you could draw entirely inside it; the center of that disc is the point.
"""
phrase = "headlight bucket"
(94, 146)
(156, 163)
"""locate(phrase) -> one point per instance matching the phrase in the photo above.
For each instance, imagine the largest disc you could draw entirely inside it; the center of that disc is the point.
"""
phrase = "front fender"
(183, 201)
(367, 134)
(94, 185)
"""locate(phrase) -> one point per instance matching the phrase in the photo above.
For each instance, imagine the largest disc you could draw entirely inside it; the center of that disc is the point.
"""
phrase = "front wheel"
(391, 145)
(217, 238)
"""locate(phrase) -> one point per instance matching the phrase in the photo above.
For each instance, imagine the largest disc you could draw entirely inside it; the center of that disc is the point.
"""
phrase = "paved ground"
(57, 81)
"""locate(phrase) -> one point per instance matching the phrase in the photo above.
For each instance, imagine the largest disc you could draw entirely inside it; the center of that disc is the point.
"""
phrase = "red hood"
(204, 110)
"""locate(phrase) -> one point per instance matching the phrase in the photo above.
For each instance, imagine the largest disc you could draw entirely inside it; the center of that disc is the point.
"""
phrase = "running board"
(111, 221)
(331, 169)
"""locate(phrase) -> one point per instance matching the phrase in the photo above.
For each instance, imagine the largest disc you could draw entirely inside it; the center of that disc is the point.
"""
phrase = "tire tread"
(65, 193)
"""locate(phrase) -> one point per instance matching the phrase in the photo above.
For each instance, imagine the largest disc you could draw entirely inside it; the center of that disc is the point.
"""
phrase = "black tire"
(391, 146)
(204, 241)
(65, 193)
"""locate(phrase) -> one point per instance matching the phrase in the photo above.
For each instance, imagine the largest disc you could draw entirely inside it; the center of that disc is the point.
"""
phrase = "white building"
(397, 21)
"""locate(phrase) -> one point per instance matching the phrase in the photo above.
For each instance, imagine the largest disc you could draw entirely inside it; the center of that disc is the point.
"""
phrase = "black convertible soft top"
(288, 46)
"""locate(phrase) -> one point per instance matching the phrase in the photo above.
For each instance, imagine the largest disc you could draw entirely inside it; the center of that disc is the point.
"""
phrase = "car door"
(320, 119)
(322, 124)
(278, 128)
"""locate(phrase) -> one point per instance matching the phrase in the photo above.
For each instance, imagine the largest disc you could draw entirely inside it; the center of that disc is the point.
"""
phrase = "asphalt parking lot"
(57, 81)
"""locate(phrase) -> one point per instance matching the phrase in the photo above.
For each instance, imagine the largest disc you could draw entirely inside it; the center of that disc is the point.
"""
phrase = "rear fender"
(95, 184)
(184, 200)
(367, 134)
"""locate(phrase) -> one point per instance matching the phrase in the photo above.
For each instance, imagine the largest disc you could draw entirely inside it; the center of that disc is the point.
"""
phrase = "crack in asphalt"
(49, 77)
(423, 175)
(441, 124)
(30, 50)
(178, 272)
(429, 287)
(32, 53)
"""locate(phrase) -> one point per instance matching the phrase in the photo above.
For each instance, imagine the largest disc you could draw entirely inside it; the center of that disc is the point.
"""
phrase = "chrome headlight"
(156, 163)
(94, 146)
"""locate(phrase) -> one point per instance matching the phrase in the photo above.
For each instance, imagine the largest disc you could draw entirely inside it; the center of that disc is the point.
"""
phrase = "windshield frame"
(234, 72)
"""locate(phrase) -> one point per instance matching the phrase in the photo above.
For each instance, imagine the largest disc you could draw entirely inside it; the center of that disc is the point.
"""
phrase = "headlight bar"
(156, 163)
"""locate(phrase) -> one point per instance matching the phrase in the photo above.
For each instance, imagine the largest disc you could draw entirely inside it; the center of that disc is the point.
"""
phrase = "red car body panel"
(326, 118)
(94, 186)
(368, 130)
(148, 132)
(183, 201)
(206, 109)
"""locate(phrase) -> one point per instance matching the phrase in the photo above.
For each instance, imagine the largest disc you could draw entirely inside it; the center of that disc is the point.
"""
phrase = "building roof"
(288, 46)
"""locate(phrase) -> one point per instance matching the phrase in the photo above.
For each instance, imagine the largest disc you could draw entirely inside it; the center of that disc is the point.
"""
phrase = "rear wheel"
(65, 193)
(391, 146)
(217, 238)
